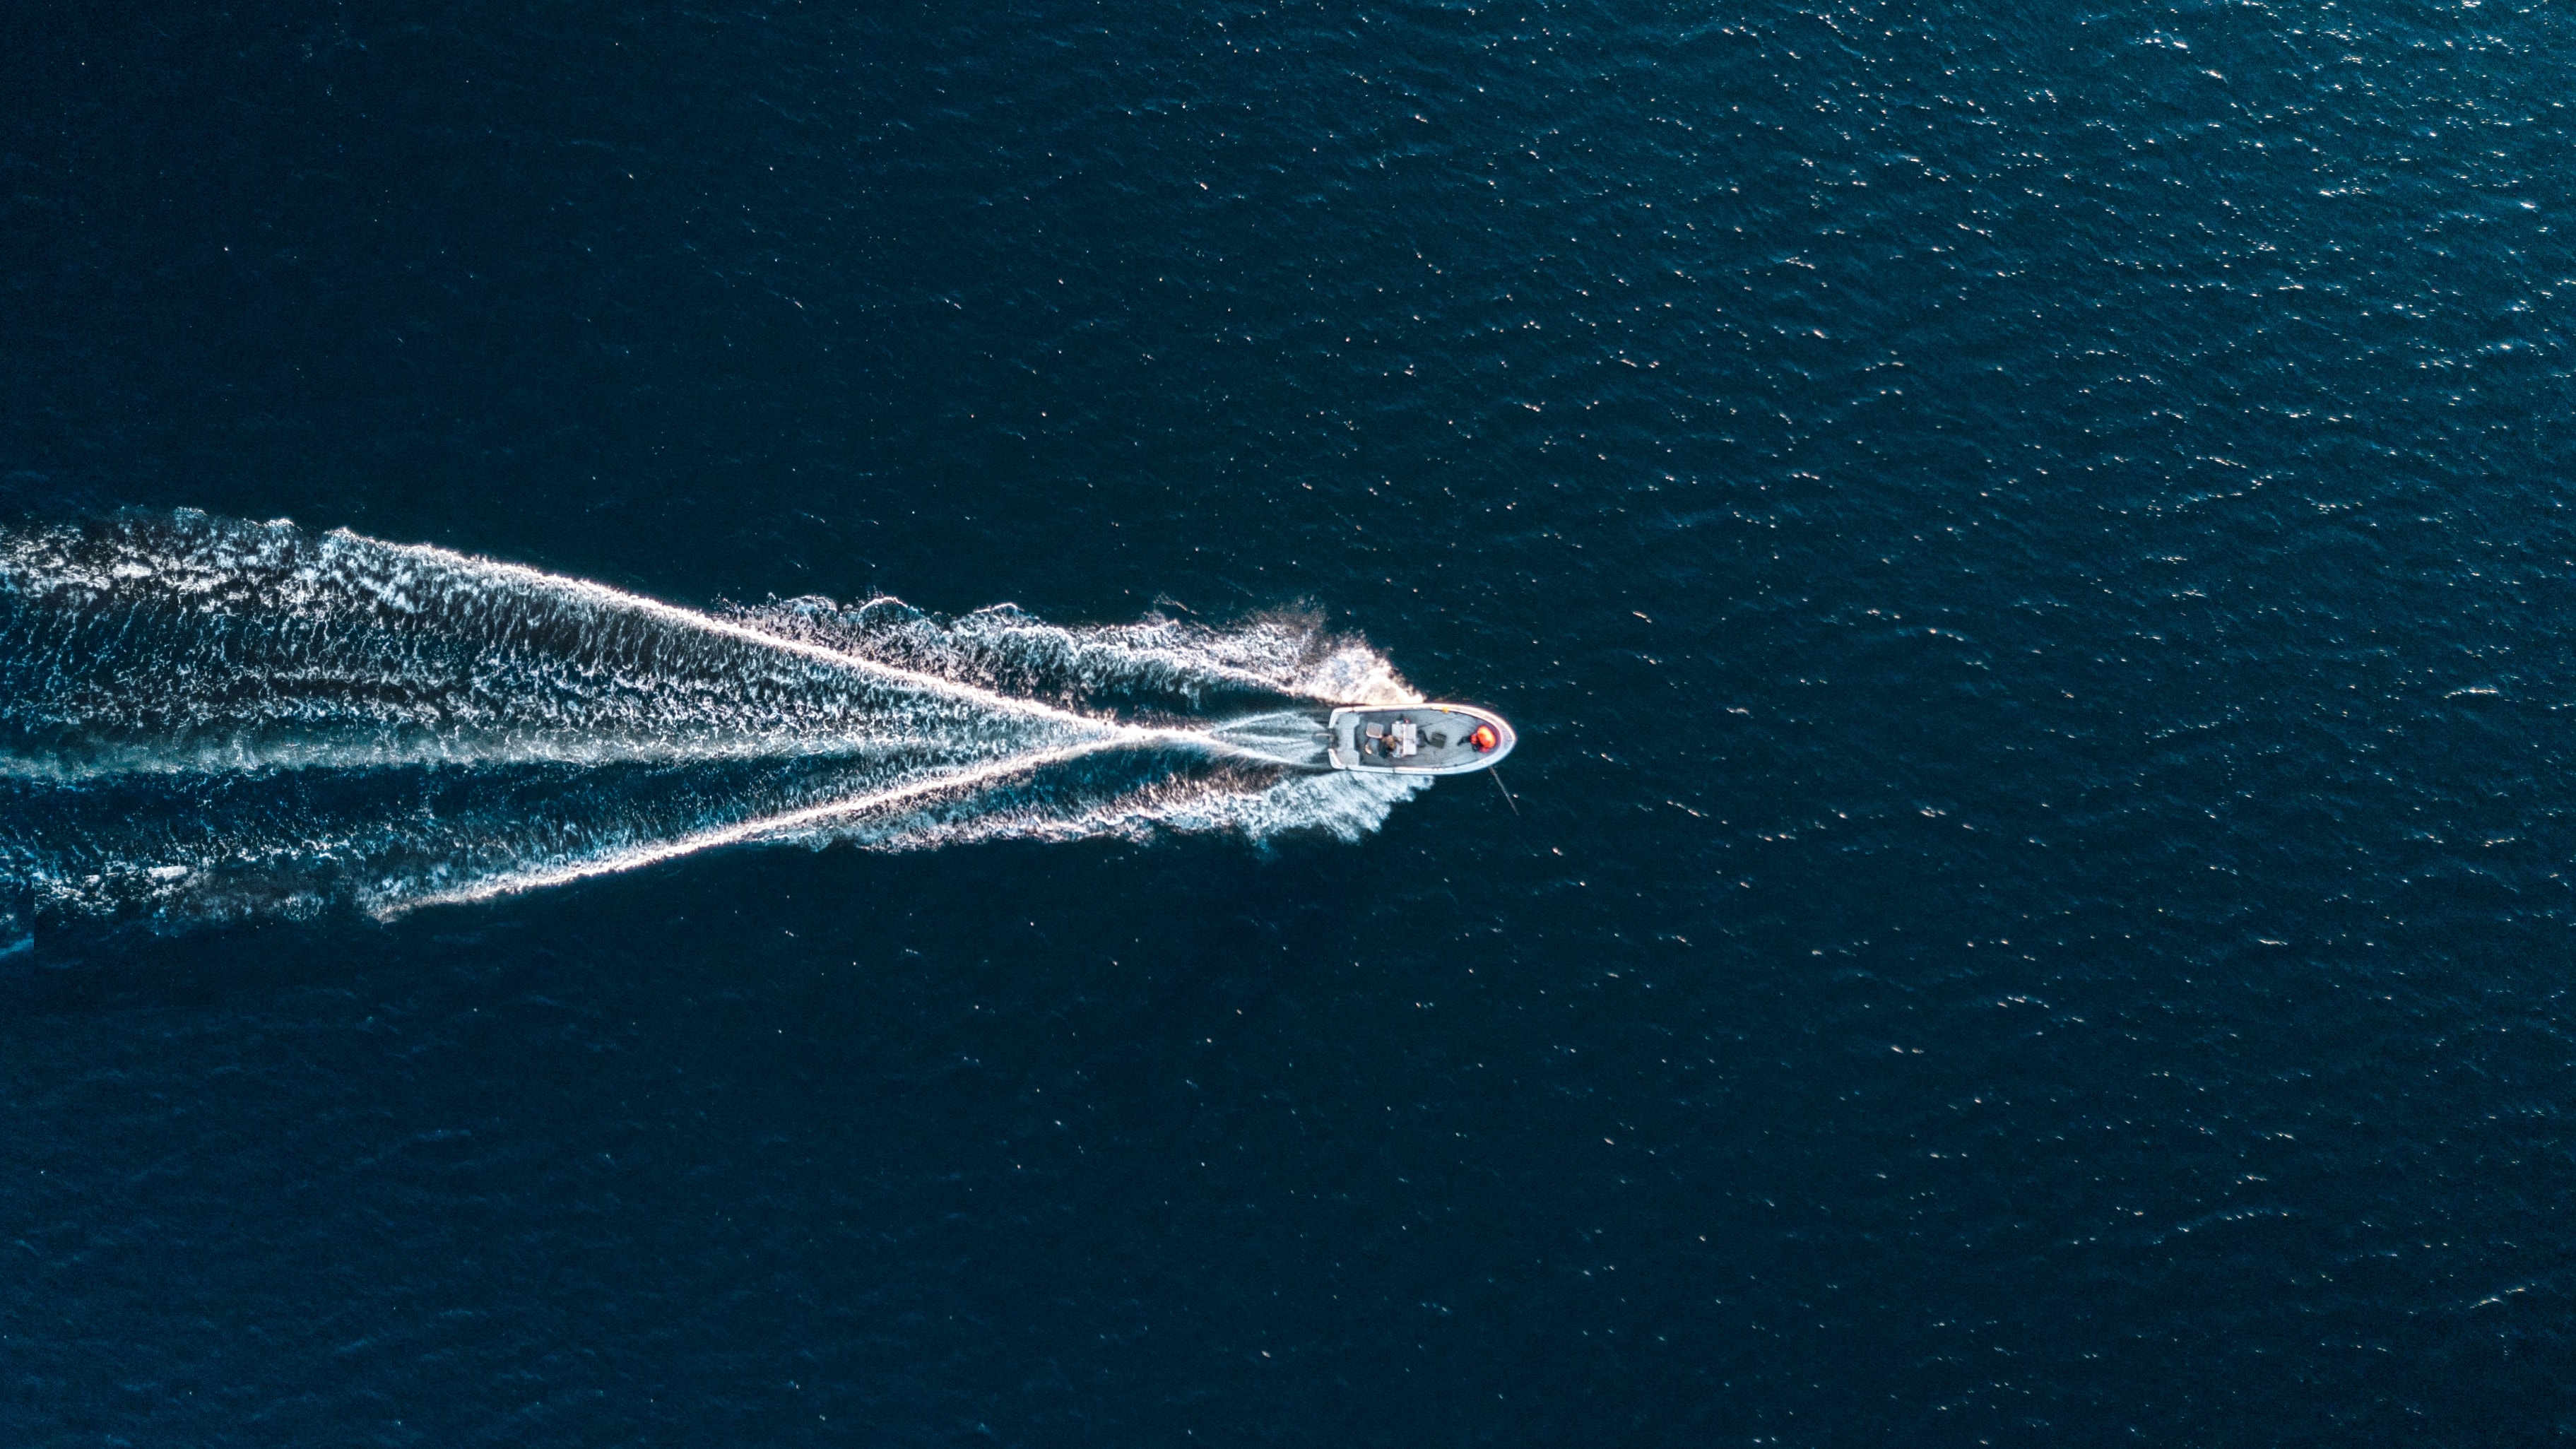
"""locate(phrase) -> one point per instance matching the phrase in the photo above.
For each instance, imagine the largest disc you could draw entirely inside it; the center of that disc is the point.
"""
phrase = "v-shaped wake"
(210, 719)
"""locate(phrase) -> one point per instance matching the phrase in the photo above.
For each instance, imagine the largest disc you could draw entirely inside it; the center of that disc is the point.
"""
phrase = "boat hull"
(1441, 736)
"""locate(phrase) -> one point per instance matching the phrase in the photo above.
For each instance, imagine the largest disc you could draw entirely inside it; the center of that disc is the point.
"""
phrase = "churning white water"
(203, 718)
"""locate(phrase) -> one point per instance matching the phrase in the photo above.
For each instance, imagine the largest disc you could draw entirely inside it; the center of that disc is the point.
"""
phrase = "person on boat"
(1484, 738)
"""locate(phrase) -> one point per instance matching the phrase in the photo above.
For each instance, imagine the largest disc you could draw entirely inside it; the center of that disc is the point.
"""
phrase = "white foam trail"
(609, 598)
(1291, 739)
(203, 719)
(815, 818)
(767, 827)
(1010, 650)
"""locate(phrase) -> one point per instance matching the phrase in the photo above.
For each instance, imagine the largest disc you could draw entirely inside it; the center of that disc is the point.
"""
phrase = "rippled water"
(2026, 552)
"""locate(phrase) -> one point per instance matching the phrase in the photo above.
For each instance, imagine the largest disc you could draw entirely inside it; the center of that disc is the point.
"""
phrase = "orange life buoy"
(1485, 738)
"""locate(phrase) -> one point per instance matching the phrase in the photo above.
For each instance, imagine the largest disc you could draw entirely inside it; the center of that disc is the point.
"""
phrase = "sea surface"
(654, 659)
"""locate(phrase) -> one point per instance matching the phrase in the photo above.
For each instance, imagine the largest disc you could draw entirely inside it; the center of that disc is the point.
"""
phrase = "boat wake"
(204, 719)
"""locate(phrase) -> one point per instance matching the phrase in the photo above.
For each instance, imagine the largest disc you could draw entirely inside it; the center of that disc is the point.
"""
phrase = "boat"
(1417, 739)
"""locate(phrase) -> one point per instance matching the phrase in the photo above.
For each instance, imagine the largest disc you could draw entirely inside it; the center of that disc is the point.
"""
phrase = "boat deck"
(1420, 739)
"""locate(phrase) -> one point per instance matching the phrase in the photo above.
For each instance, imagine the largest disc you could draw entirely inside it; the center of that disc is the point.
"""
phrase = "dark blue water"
(2031, 554)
